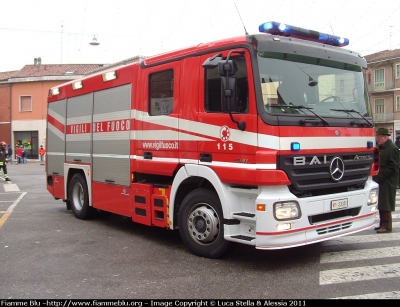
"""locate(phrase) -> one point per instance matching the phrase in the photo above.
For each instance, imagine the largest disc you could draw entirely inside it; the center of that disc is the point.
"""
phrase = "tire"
(200, 222)
(79, 197)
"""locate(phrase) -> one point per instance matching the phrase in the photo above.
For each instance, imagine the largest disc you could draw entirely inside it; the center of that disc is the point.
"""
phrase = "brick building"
(5, 107)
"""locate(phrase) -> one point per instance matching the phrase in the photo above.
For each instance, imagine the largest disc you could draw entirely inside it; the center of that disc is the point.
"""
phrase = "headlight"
(287, 210)
(373, 197)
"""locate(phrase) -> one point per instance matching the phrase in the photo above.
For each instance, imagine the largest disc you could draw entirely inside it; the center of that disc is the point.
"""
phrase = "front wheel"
(201, 226)
(79, 197)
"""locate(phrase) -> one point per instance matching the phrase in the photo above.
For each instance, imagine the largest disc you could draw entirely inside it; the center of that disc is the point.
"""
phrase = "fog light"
(282, 227)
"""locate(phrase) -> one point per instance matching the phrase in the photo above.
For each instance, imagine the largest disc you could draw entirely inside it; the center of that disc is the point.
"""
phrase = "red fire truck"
(263, 139)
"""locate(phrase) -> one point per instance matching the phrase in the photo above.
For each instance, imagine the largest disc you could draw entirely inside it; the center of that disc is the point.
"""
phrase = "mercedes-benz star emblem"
(336, 169)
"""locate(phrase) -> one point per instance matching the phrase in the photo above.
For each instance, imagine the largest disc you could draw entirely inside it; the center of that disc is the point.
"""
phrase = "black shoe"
(384, 230)
(7, 179)
(377, 228)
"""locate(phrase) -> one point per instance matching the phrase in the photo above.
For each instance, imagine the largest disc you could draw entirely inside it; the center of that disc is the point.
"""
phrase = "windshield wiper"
(353, 111)
(300, 107)
(282, 106)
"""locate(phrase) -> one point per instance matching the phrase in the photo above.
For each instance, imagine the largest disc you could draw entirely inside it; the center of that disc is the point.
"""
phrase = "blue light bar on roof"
(278, 28)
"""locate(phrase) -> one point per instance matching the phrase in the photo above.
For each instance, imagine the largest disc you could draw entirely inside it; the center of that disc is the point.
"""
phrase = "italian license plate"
(339, 204)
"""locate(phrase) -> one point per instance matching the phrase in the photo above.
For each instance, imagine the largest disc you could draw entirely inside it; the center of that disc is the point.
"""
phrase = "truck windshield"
(294, 84)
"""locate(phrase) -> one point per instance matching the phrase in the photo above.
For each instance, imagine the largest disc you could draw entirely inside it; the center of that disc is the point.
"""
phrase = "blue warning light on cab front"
(295, 146)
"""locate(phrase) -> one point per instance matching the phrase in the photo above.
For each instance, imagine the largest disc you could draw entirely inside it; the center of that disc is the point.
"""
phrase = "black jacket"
(3, 155)
(389, 156)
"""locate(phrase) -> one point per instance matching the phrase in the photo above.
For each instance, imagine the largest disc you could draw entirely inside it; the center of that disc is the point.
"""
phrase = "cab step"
(242, 237)
(244, 216)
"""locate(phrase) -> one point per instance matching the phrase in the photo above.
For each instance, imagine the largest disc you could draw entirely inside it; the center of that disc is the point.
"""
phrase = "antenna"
(332, 29)
(62, 29)
(245, 31)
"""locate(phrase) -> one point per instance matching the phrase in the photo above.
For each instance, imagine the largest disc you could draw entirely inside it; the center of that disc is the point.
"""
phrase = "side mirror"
(212, 62)
(228, 94)
(227, 68)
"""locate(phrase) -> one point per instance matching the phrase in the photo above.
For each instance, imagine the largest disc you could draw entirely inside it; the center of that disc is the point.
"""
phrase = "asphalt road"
(46, 253)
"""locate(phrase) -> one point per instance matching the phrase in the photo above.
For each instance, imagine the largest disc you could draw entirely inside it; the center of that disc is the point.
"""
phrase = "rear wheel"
(79, 197)
(201, 226)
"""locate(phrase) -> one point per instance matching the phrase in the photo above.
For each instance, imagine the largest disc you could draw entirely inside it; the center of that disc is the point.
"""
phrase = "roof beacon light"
(55, 91)
(278, 28)
(77, 85)
(111, 75)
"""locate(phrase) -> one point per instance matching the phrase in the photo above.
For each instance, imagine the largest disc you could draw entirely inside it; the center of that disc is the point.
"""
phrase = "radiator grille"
(313, 176)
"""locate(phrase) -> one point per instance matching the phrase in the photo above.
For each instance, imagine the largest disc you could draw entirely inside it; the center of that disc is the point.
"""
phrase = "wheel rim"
(78, 196)
(203, 224)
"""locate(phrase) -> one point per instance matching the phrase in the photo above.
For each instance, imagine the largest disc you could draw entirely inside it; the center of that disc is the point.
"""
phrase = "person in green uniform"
(387, 178)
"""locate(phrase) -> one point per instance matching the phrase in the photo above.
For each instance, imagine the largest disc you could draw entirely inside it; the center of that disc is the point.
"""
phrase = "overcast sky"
(60, 31)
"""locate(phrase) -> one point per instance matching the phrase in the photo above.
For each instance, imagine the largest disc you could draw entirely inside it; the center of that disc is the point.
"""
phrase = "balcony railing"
(383, 117)
(379, 87)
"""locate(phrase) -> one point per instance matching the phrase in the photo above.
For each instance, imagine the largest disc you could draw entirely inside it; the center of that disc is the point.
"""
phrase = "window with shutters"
(380, 106)
(380, 79)
(379, 110)
(25, 103)
(398, 103)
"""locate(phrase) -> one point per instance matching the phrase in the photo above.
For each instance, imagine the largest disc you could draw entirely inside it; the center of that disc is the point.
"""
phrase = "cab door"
(159, 119)
(223, 146)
